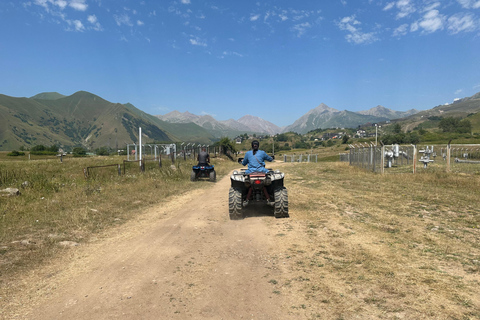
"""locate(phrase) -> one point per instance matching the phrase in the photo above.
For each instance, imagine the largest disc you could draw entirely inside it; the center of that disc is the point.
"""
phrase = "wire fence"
(300, 158)
(412, 158)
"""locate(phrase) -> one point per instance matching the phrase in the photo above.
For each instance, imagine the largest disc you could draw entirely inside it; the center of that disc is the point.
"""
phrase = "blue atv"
(203, 171)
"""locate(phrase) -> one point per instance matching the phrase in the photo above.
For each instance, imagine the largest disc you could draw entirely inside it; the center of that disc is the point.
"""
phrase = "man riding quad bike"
(203, 169)
(257, 184)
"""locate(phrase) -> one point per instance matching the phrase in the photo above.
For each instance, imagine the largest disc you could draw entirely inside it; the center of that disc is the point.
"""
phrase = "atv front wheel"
(235, 204)
(193, 176)
(281, 203)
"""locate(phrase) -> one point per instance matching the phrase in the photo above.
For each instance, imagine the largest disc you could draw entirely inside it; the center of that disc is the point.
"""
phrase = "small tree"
(79, 152)
(102, 151)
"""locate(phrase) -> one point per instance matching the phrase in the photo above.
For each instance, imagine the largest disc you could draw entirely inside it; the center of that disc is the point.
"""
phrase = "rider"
(203, 158)
(256, 163)
(256, 159)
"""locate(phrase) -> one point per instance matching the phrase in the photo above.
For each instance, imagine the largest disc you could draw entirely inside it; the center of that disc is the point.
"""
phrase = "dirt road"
(181, 260)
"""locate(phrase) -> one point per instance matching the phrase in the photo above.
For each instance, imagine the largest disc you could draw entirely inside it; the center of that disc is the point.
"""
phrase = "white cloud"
(77, 24)
(406, 8)
(301, 28)
(432, 21)
(197, 42)
(389, 6)
(401, 30)
(123, 19)
(140, 23)
(60, 3)
(459, 91)
(356, 35)
(79, 5)
(231, 53)
(92, 19)
(469, 4)
(185, 1)
(254, 17)
(462, 22)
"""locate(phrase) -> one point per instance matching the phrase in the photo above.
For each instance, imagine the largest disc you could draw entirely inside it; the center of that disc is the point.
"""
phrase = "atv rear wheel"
(213, 176)
(235, 204)
(281, 203)
(193, 176)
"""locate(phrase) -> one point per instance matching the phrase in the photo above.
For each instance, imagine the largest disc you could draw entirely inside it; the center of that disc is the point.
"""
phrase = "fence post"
(448, 156)
(383, 159)
(119, 168)
(414, 159)
(85, 173)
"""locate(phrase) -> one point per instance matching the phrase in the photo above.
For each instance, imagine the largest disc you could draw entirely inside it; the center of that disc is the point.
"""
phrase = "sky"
(274, 59)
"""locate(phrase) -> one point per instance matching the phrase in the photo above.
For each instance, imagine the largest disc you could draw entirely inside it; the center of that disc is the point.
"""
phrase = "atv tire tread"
(281, 203)
(235, 204)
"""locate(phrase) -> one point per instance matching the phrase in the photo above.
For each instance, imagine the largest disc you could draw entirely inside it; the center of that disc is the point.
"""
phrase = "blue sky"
(273, 59)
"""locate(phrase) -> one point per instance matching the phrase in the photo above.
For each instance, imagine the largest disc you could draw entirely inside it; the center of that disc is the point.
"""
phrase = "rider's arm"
(267, 157)
(245, 160)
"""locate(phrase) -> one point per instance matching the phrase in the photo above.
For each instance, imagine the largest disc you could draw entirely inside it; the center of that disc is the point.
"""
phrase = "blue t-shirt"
(256, 163)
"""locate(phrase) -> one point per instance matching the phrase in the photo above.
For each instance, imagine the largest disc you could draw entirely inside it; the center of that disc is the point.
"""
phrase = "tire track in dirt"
(180, 260)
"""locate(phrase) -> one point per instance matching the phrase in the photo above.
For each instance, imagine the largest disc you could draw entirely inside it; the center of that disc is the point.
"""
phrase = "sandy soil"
(181, 260)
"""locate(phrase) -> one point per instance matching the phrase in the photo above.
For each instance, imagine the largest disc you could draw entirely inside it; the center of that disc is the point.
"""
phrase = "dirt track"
(182, 260)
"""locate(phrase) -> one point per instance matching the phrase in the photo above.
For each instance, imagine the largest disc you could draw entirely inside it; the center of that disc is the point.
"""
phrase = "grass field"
(388, 246)
(58, 204)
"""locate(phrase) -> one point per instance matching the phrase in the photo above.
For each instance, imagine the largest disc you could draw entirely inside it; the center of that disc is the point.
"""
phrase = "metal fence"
(300, 158)
(411, 158)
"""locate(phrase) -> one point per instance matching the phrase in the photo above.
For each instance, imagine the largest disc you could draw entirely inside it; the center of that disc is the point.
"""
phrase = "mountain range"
(319, 117)
(85, 119)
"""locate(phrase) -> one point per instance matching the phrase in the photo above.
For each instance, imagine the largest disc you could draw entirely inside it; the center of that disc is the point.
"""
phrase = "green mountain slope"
(48, 96)
(459, 109)
(82, 119)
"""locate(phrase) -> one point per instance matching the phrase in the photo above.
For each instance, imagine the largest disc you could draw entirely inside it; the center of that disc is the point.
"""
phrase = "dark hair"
(255, 142)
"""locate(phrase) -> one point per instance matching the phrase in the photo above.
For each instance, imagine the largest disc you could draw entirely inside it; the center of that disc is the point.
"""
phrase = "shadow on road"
(257, 210)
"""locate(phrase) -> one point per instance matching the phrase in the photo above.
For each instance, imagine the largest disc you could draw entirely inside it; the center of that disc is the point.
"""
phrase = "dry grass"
(58, 204)
(388, 247)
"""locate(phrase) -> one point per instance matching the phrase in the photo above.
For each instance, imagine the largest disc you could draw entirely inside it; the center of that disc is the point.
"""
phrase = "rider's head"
(255, 145)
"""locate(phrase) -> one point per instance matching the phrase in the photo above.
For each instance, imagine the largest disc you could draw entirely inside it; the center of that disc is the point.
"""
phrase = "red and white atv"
(257, 187)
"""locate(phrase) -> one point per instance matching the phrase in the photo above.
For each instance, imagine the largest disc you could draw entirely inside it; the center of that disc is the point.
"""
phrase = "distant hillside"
(82, 119)
(257, 124)
(325, 117)
(382, 112)
(460, 108)
(48, 96)
(229, 128)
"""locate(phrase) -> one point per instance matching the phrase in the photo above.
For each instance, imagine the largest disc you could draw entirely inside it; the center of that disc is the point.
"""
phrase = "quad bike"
(257, 187)
(202, 171)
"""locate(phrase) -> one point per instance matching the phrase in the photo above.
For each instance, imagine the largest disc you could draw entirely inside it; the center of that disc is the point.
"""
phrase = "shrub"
(15, 153)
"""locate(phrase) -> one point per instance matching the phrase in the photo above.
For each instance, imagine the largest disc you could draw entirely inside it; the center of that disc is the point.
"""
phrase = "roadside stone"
(9, 192)
(68, 244)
